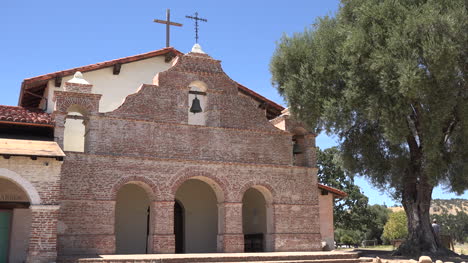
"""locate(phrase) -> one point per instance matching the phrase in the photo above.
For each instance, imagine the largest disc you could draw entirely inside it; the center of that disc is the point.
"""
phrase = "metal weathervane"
(196, 18)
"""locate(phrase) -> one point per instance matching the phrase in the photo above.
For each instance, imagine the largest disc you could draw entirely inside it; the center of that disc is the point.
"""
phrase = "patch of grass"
(380, 247)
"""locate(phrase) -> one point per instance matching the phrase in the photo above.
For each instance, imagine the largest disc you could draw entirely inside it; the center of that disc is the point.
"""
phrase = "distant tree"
(347, 240)
(396, 226)
(388, 77)
(454, 225)
(352, 212)
(380, 215)
(348, 236)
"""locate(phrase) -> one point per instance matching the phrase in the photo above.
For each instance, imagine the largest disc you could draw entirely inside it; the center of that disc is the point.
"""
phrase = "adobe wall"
(326, 220)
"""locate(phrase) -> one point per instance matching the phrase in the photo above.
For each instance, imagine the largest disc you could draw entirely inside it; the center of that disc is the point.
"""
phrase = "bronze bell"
(196, 108)
(296, 148)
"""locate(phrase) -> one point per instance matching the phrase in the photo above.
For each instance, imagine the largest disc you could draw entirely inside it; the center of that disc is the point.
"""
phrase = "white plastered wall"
(74, 134)
(115, 88)
(326, 220)
(131, 220)
(201, 216)
(20, 231)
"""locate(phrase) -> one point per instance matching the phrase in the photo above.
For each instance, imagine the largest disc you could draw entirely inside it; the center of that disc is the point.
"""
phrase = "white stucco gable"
(115, 87)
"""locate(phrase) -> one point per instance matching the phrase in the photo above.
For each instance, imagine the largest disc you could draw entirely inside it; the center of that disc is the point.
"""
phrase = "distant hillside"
(443, 206)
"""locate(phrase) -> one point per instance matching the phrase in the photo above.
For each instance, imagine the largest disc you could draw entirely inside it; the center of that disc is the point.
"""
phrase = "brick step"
(273, 257)
(351, 260)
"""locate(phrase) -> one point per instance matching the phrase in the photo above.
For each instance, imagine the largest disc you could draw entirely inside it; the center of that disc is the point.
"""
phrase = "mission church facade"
(113, 158)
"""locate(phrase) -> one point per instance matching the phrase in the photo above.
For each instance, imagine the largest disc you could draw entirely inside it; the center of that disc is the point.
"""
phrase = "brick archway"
(268, 194)
(217, 186)
(145, 183)
(24, 184)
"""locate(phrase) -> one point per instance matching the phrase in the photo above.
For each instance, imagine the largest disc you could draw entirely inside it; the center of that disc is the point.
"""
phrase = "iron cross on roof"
(196, 18)
(168, 24)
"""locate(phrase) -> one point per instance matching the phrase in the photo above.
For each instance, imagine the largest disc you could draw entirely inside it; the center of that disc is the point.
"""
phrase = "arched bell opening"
(75, 129)
(200, 217)
(15, 221)
(132, 220)
(197, 103)
(299, 146)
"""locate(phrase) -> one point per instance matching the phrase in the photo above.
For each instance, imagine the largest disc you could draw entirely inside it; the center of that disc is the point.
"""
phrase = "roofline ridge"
(168, 49)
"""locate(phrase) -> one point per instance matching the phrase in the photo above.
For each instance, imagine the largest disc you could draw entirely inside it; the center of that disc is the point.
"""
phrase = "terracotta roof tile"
(22, 115)
(336, 192)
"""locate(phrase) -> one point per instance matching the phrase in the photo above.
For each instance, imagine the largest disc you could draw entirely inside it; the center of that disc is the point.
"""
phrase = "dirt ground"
(387, 255)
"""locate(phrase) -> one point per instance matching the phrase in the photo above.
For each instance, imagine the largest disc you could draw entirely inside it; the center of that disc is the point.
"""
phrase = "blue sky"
(39, 37)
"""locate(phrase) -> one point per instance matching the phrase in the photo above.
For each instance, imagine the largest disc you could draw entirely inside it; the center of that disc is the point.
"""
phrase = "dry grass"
(461, 249)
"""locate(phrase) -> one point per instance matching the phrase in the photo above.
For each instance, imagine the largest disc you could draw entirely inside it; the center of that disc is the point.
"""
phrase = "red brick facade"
(148, 141)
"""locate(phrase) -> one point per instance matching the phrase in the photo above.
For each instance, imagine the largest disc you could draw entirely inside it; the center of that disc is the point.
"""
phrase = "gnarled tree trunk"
(416, 200)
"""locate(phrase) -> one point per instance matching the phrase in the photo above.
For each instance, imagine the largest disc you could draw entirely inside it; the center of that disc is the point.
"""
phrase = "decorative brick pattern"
(65, 99)
(76, 87)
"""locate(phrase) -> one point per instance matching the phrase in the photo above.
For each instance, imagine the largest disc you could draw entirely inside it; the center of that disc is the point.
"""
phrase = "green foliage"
(396, 226)
(347, 240)
(454, 225)
(352, 214)
(348, 236)
(379, 216)
(389, 79)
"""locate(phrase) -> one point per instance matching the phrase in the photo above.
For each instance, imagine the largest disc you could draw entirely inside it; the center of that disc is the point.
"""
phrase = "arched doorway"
(15, 222)
(254, 220)
(132, 217)
(200, 217)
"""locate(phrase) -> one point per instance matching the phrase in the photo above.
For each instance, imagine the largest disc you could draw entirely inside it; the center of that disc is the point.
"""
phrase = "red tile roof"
(336, 192)
(259, 97)
(22, 115)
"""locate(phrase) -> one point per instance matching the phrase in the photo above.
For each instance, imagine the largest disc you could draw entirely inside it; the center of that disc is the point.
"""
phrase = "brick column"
(162, 220)
(230, 236)
(310, 150)
(43, 238)
(59, 129)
